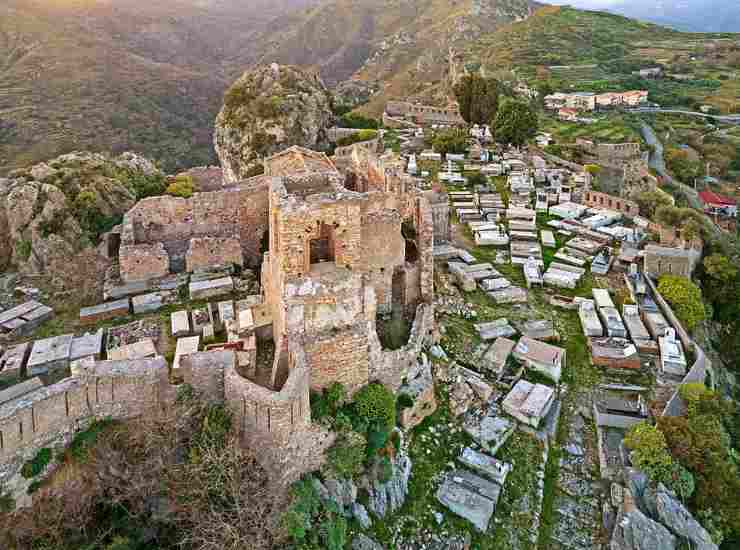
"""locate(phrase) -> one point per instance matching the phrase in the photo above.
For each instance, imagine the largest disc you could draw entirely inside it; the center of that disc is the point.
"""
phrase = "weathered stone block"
(209, 289)
(105, 311)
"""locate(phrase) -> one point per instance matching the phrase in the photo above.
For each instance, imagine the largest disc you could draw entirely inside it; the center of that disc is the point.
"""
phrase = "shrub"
(357, 137)
(37, 464)
(84, 441)
(345, 458)
(183, 186)
(352, 120)
(328, 402)
(376, 404)
(684, 297)
(306, 504)
(334, 532)
(23, 249)
(649, 451)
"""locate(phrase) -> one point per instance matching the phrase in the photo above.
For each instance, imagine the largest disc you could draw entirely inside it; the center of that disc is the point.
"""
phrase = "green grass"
(612, 128)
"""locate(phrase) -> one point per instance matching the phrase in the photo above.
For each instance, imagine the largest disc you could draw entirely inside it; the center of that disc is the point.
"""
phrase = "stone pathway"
(577, 507)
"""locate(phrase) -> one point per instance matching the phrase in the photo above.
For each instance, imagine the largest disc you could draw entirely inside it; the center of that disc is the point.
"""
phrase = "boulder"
(359, 512)
(635, 531)
(268, 109)
(390, 496)
(664, 507)
(343, 492)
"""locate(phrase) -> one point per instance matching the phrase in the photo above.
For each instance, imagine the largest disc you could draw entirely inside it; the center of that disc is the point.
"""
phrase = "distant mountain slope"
(405, 44)
(688, 15)
(120, 74)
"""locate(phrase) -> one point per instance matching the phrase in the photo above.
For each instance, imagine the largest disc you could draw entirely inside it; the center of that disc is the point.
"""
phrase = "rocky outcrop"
(53, 211)
(353, 93)
(662, 505)
(390, 496)
(268, 109)
(635, 531)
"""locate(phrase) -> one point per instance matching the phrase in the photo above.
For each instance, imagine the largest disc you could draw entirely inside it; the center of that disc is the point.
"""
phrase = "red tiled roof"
(710, 197)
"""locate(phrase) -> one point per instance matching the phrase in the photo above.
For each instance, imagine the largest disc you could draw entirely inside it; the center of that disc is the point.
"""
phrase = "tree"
(515, 122)
(450, 141)
(478, 98)
(650, 201)
(477, 179)
(684, 297)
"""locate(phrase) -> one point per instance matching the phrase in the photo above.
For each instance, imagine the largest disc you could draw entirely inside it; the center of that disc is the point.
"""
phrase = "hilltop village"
(443, 348)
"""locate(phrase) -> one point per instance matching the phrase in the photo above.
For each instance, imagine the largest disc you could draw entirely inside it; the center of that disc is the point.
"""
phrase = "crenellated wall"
(51, 414)
(263, 416)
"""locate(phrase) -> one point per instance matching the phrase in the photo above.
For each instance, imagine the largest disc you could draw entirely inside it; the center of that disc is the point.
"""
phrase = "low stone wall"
(702, 365)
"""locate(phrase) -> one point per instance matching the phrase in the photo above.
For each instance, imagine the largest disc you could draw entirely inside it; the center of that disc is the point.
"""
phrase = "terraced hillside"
(597, 51)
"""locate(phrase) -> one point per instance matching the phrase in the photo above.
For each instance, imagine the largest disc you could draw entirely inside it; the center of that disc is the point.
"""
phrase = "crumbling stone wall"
(143, 261)
(610, 202)
(391, 367)
(205, 252)
(235, 216)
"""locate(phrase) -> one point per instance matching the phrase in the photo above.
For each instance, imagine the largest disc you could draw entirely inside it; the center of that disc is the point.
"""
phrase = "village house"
(568, 114)
(714, 203)
(661, 260)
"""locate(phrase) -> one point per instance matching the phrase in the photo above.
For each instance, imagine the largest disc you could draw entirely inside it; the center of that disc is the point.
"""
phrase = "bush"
(183, 186)
(450, 141)
(345, 458)
(357, 137)
(649, 451)
(83, 441)
(37, 464)
(351, 120)
(376, 404)
(327, 404)
(684, 297)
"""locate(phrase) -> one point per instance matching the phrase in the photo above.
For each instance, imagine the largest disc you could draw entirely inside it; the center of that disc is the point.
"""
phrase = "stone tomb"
(50, 354)
(13, 361)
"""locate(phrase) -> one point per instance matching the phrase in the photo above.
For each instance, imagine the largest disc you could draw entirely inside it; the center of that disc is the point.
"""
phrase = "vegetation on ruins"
(452, 140)
(515, 122)
(650, 201)
(182, 186)
(684, 297)
(357, 137)
(478, 98)
(133, 488)
(313, 523)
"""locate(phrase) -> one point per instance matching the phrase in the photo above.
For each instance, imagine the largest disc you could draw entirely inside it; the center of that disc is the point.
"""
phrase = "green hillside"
(596, 51)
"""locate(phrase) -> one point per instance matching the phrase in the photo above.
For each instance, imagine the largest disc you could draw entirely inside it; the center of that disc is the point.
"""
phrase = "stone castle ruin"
(341, 247)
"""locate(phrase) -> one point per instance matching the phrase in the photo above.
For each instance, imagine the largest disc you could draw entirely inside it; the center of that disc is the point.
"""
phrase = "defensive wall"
(49, 415)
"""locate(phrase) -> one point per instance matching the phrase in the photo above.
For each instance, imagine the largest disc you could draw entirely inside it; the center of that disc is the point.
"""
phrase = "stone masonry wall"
(263, 416)
(143, 261)
(205, 252)
(603, 200)
(390, 367)
(341, 357)
(116, 389)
